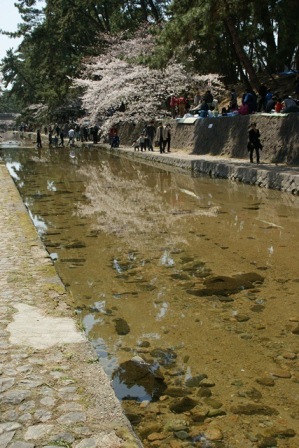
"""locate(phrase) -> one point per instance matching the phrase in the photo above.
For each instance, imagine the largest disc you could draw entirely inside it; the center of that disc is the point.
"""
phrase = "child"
(142, 142)
(55, 141)
(115, 141)
(135, 145)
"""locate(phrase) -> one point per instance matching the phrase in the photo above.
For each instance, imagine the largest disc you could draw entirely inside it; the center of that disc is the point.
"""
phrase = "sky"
(9, 19)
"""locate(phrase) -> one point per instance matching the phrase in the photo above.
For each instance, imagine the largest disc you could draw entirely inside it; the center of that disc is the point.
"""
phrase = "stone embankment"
(276, 176)
(218, 147)
(53, 391)
(228, 136)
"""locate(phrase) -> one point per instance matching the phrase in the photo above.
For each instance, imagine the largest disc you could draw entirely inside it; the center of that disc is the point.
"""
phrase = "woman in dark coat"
(38, 139)
(254, 143)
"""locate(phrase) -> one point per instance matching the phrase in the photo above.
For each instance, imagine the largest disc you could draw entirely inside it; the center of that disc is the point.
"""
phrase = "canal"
(187, 288)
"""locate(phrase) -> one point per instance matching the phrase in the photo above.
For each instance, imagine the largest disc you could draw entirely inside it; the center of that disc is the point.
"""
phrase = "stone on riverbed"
(165, 357)
(195, 380)
(222, 285)
(121, 326)
(253, 409)
(266, 381)
(182, 405)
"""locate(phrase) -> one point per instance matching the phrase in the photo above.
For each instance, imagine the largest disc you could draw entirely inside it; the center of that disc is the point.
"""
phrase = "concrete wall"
(228, 136)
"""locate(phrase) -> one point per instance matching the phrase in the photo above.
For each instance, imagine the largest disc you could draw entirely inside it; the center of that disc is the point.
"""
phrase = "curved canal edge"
(53, 391)
(266, 175)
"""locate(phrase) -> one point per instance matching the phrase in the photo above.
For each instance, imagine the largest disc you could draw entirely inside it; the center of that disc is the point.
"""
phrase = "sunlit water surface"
(191, 274)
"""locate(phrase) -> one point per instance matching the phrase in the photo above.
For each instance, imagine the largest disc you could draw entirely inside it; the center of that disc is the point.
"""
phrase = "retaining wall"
(227, 136)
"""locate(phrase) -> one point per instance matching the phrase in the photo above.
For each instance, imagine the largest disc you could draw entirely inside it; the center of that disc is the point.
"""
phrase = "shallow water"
(196, 276)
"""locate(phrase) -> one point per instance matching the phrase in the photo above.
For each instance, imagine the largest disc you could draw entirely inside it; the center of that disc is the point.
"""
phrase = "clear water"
(193, 275)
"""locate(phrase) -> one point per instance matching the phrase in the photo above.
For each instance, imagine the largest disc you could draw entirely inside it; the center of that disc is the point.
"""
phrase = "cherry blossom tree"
(120, 75)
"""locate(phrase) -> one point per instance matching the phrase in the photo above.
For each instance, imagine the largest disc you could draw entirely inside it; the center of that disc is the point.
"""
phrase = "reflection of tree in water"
(136, 203)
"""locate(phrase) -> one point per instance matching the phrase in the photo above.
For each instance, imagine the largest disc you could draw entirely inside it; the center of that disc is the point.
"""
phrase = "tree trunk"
(143, 7)
(240, 53)
(268, 36)
(155, 11)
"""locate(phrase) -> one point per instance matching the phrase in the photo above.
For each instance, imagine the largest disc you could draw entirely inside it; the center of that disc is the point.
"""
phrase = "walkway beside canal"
(53, 391)
(266, 175)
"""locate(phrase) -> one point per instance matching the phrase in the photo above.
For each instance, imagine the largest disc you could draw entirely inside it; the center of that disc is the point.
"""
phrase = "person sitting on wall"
(278, 105)
(249, 99)
(215, 106)
(233, 100)
(262, 95)
(196, 100)
(181, 104)
(224, 112)
(173, 106)
(208, 98)
(270, 105)
(268, 96)
(289, 105)
(244, 109)
(203, 110)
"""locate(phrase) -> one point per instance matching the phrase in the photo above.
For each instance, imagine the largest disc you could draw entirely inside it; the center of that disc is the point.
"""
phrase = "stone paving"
(53, 391)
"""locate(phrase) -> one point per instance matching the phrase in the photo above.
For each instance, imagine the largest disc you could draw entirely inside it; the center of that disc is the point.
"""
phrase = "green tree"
(9, 103)
(233, 37)
(57, 37)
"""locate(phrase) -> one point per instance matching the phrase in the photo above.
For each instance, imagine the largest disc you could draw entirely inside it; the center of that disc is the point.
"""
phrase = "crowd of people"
(200, 106)
(268, 101)
(206, 105)
(183, 107)
(150, 137)
(72, 132)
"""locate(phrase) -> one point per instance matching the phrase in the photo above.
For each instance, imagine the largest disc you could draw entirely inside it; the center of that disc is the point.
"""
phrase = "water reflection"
(13, 169)
(194, 276)
(38, 221)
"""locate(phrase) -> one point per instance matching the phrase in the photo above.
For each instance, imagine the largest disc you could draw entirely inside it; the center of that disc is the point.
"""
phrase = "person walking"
(95, 134)
(61, 135)
(254, 143)
(71, 135)
(38, 139)
(150, 132)
(50, 136)
(168, 139)
(161, 137)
